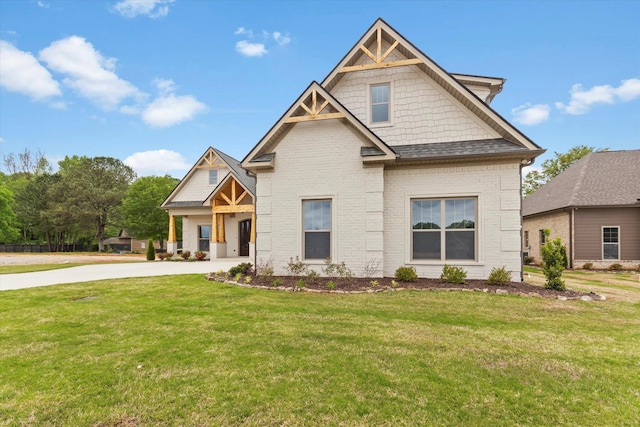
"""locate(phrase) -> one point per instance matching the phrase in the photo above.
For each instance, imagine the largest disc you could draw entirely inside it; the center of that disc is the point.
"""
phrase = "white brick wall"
(320, 160)
(498, 222)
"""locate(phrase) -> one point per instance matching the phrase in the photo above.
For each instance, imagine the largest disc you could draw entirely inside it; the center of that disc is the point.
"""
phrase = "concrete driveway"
(87, 273)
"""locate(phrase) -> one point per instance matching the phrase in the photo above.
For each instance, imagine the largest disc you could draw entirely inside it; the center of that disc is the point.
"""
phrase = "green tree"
(27, 163)
(552, 167)
(141, 207)
(94, 189)
(151, 251)
(554, 261)
(9, 232)
(34, 206)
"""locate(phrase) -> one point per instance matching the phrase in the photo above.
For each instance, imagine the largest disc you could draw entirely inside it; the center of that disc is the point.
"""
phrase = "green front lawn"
(29, 268)
(183, 351)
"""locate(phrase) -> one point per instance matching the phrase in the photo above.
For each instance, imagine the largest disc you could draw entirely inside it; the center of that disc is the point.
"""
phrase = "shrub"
(371, 267)
(296, 268)
(529, 260)
(331, 284)
(161, 255)
(277, 281)
(237, 277)
(615, 267)
(300, 284)
(406, 274)
(264, 268)
(499, 276)
(312, 275)
(247, 280)
(200, 256)
(151, 251)
(554, 258)
(373, 283)
(185, 255)
(394, 283)
(242, 269)
(452, 274)
(336, 270)
(587, 266)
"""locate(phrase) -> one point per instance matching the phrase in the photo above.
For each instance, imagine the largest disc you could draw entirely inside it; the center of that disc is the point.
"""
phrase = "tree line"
(87, 200)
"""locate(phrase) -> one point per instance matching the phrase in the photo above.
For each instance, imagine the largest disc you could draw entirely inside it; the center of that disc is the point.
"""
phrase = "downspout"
(571, 226)
(523, 163)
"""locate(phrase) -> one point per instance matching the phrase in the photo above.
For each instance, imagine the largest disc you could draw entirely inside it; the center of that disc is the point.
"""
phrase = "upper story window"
(380, 112)
(213, 176)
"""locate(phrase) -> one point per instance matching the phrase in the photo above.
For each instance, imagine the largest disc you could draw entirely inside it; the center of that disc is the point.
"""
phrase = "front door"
(245, 237)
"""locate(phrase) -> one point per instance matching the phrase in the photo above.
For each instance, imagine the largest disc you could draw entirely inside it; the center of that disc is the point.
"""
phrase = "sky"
(154, 83)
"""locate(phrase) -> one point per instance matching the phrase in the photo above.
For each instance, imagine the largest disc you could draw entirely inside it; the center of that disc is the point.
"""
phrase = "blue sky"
(156, 82)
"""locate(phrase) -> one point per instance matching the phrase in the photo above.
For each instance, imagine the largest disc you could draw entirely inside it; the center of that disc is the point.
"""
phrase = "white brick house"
(392, 161)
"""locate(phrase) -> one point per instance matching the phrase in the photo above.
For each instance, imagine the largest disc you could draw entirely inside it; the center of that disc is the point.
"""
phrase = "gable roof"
(446, 80)
(235, 169)
(604, 178)
(262, 155)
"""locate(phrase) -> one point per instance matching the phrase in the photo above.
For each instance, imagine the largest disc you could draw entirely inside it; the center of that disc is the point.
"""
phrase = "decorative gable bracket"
(379, 58)
(314, 111)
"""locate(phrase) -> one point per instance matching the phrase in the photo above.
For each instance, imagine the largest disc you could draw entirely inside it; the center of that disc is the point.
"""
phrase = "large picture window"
(316, 219)
(380, 103)
(610, 242)
(451, 239)
(204, 236)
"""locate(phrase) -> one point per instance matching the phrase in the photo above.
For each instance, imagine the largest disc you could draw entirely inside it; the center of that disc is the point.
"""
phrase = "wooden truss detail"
(314, 112)
(211, 160)
(379, 57)
(228, 201)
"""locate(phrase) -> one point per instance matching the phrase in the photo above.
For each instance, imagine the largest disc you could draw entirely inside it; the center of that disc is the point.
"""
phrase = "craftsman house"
(389, 161)
(593, 206)
(216, 200)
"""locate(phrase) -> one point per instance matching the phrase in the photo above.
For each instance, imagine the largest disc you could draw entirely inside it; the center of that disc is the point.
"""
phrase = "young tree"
(141, 207)
(554, 262)
(553, 167)
(95, 188)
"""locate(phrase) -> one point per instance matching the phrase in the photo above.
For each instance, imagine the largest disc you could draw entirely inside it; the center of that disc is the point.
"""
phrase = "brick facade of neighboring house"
(594, 207)
(391, 161)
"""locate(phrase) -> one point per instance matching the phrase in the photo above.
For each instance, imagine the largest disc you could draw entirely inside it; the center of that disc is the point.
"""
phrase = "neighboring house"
(216, 200)
(593, 206)
(390, 161)
(124, 242)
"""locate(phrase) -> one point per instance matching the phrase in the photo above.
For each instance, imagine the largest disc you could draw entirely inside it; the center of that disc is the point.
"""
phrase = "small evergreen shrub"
(554, 259)
(452, 274)
(615, 267)
(587, 266)
(185, 255)
(499, 276)
(151, 251)
(243, 268)
(406, 274)
(528, 260)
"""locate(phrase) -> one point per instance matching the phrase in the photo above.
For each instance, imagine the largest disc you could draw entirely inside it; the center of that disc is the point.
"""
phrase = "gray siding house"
(593, 206)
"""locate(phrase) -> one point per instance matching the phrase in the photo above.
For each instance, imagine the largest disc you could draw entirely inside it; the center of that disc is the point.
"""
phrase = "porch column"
(223, 238)
(252, 238)
(171, 238)
(214, 228)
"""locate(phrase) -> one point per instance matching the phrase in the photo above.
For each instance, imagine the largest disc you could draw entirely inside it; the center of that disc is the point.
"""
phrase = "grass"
(180, 350)
(29, 268)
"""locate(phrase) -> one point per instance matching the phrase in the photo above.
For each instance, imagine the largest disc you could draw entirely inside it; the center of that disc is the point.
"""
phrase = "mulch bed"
(361, 285)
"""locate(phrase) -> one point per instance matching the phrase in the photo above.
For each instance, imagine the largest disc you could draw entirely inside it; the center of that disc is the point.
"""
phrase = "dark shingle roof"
(476, 148)
(606, 178)
(249, 181)
(189, 204)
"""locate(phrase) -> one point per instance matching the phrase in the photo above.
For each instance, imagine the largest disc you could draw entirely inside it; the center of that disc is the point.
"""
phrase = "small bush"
(247, 280)
(237, 277)
(264, 268)
(162, 255)
(277, 281)
(452, 274)
(200, 256)
(406, 274)
(615, 267)
(331, 285)
(587, 266)
(528, 260)
(151, 251)
(499, 276)
(554, 260)
(185, 255)
(312, 275)
(296, 268)
(373, 283)
(371, 267)
(242, 269)
(336, 270)
(301, 283)
(394, 283)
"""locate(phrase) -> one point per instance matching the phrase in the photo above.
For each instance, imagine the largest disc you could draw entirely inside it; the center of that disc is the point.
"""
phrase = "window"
(526, 239)
(316, 219)
(213, 176)
(453, 239)
(543, 238)
(610, 242)
(204, 236)
(380, 103)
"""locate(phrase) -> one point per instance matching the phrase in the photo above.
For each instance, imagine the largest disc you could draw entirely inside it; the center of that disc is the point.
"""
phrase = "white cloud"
(88, 72)
(156, 162)
(582, 100)
(21, 72)
(247, 48)
(282, 40)
(528, 114)
(169, 110)
(243, 31)
(151, 8)
(43, 4)
(164, 85)
(58, 105)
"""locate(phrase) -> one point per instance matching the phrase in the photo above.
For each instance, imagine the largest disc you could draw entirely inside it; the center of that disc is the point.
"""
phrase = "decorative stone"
(586, 298)
(562, 298)
(502, 291)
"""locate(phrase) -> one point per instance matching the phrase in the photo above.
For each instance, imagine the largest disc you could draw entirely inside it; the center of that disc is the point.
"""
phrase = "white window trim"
(333, 253)
(408, 256)
(217, 176)
(602, 243)
(391, 104)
